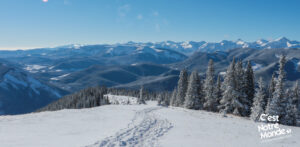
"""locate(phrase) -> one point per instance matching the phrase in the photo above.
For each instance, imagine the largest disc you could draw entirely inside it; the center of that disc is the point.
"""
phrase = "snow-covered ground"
(134, 125)
(122, 100)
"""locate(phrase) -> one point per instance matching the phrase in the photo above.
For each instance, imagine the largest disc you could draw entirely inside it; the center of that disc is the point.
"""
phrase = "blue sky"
(37, 23)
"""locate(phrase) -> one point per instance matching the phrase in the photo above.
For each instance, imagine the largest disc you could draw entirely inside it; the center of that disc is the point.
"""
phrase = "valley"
(68, 69)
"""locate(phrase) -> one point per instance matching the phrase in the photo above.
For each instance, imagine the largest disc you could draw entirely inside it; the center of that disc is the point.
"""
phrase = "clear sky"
(48, 23)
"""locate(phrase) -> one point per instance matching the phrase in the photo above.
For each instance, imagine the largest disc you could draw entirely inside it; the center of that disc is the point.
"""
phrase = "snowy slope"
(22, 93)
(134, 125)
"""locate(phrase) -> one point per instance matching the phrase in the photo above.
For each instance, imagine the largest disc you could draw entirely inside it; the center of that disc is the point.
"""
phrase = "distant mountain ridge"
(30, 79)
(22, 93)
(184, 47)
(264, 62)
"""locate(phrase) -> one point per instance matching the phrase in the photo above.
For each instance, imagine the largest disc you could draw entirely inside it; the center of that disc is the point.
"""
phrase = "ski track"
(144, 131)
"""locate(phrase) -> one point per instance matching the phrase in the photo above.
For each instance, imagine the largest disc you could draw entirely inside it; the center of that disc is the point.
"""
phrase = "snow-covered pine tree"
(210, 98)
(166, 101)
(258, 103)
(199, 103)
(277, 102)
(141, 99)
(270, 91)
(245, 108)
(296, 95)
(290, 111)
(181, 88)
(249, 83)
(160, 99)
(218, 90)
(192, 98)
(272, 85)
(229, 101)
(173, 97)
(296, 101)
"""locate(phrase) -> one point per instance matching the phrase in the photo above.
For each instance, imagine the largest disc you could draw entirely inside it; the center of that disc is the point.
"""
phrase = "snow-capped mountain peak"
(262, 42)
(282, 39)
(184, 47)
(240, 41)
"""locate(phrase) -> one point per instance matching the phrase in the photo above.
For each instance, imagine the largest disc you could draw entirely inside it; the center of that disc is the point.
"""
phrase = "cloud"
(123, 10)
(139, 17)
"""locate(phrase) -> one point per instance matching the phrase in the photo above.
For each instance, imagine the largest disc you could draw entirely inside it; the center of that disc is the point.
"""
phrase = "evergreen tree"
(296, 95)
(181, 88)
(230, 102)
(192, 98)
(296, 101)
(257, 108)
(173, 97)
(277, 103)
(290, 111)
(249, 83)
(199, 103)
(166, 101)
(160, 99)
(243, 108)
(271, 89)
(210, 99)
(218, 90)
(141, 99)
(272, 85)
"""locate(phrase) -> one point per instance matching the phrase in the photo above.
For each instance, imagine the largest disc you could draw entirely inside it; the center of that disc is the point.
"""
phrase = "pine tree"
(240, 79)
(296, 95)
(199, 103)
(276, 105)
(173, 98)
(271, 89)
(166, 101)
(181, 88)
(230, 102)
(257, 108)
(218, 90)
(141, 99)
(272, 85)
(160, 99)
(296, 101)
(210, 99)
(249, 84)
(192, 98)
(290, 111)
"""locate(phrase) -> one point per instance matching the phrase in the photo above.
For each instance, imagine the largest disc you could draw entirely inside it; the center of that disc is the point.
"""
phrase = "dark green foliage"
(87, 98)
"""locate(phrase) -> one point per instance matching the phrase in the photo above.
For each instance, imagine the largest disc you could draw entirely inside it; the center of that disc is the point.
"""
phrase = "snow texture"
(135, 125)
(121, 100)
(144, 130)
(34, 68)
(59, 77)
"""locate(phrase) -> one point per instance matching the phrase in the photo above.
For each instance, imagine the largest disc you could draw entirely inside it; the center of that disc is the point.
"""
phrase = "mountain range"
(30, 79)
(22, 93)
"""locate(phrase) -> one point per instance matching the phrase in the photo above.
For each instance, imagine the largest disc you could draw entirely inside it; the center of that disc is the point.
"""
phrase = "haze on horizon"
(27, 24)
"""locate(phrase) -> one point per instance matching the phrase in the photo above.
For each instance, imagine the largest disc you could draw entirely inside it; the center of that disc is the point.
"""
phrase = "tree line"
(234, 93)
(237, 93)
(94, 96)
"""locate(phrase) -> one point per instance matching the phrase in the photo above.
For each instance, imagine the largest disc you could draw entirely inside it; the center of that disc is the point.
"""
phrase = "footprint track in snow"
(144, 131)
